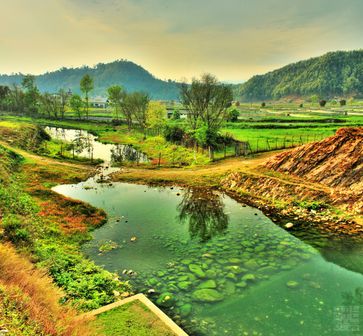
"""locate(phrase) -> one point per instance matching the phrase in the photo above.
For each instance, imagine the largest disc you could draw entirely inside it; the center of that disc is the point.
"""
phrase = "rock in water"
(208, 284)
(165, 300)
(197, 270)
(289, 225)
(207, 295)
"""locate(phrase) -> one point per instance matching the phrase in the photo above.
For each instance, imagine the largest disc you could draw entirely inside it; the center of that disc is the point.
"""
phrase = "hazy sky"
(234, 39)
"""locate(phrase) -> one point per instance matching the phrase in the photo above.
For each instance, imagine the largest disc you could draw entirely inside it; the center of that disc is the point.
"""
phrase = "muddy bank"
(306, 207)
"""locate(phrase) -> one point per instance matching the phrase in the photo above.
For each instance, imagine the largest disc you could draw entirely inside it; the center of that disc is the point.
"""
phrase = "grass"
(134, 319)
(30, 301)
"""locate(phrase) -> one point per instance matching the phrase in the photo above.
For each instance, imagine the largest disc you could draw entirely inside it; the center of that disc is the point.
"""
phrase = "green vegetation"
(134, 319)
(51, 229)
(124, 73)
(333, 74)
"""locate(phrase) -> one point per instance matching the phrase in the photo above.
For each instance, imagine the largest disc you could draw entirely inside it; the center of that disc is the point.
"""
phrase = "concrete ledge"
(142, 298)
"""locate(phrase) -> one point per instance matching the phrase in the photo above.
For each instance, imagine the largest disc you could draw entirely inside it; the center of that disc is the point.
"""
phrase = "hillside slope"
(336, 162)
(128, 74)
(333, 74)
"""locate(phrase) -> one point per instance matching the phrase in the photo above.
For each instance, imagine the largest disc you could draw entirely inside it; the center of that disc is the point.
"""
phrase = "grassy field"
(134, 319)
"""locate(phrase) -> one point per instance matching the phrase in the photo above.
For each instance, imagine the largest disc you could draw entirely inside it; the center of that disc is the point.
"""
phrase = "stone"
(210, 273)
(251, 264)
(185, 310)
(249, 277)
(234, 260)
(289, 225)
(207, 284)
(153, 281)
(231, 276)
(197, 270)
(292, 284)
(165, 300)
(242, 284)
(207, 295)
(184, 285)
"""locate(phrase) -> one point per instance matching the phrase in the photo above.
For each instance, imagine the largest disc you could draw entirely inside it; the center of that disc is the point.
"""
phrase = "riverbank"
(285, 199)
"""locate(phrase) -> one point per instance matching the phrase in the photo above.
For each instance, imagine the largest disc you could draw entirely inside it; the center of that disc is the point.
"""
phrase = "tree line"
(207, 101)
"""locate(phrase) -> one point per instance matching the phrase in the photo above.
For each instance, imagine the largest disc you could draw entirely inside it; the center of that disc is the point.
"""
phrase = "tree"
(4, 95)
(63, 101)
(322, 103)
(207, 102)
(17, 99)
(31, 94)
(136, 105)
(86, 85)
(233, 115)
(116, 95)
(49, 105)
(156, 116)
(351, 85)
(176, 114)
(76, 104)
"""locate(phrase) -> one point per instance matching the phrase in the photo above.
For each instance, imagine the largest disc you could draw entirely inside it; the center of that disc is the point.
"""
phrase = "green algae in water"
(216, 267)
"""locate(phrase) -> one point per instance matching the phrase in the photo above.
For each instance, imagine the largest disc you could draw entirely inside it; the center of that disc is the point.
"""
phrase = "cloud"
(233, 38)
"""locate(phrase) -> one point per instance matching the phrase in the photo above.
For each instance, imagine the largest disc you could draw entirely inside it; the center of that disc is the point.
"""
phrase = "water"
(85, 144)
(220, 268)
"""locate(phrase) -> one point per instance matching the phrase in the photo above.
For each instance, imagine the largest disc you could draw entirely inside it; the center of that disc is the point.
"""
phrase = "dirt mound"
(336, 162)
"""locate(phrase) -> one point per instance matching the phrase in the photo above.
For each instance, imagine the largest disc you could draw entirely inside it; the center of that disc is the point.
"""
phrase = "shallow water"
(85, 144)
(217, 267)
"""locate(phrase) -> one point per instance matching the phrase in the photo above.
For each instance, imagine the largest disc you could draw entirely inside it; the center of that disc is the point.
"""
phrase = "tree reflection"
(204, 210)
(121, 153)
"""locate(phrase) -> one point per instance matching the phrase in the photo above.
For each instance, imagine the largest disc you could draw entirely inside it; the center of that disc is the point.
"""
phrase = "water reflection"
(85, 144)
(204, 211)
(121, 153)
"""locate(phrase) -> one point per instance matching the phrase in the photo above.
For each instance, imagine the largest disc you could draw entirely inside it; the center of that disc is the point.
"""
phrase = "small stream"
(221, 268)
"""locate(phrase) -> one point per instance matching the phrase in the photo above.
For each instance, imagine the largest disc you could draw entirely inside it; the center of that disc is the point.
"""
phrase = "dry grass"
(35, 294)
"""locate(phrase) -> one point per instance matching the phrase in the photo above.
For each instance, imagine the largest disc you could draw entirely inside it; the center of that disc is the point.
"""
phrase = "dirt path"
(42, 160)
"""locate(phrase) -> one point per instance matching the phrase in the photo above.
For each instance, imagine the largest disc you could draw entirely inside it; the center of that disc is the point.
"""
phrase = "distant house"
(98, 102)
(182, 111)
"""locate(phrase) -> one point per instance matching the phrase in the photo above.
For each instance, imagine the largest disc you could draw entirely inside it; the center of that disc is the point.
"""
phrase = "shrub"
(14, 229)
(173, 133)
(322, 103)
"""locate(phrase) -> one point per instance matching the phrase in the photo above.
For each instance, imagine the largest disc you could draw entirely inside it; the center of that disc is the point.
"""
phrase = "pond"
(85, 144)
(218, 267)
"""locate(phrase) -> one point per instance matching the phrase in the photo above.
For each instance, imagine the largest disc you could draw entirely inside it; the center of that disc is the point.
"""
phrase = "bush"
(342, 102)
(14, 230)
(173, 133)
(322, 103)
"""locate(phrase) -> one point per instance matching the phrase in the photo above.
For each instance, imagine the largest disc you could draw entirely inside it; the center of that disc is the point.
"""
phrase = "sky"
(176, 39)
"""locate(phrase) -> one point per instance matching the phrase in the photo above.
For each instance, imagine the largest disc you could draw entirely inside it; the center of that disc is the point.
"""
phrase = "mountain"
(128, 74)
(337, 73)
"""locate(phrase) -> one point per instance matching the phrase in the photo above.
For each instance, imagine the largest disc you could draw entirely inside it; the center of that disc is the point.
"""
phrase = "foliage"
(207, 101)
(76, 104)
(86, 84)
(233, 115)
(136, 104)
(31, 94)
(156, 116)
(116, 95)
(322, 103)
(173, 133)
(333, 74)
(124, 73)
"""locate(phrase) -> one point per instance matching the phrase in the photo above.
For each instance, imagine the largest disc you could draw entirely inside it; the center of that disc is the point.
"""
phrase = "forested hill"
(333, 74)
(128, 74)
